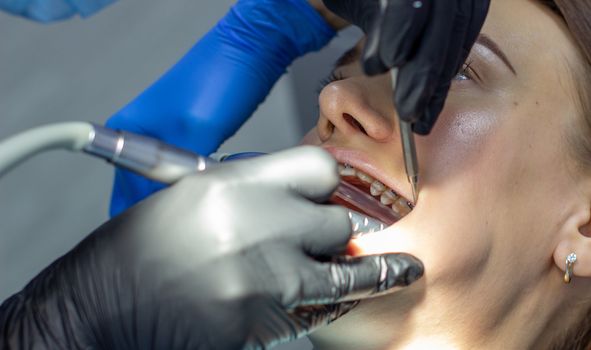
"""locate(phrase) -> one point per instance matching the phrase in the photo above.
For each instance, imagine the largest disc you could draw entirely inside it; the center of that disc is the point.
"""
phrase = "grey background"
(87, 70)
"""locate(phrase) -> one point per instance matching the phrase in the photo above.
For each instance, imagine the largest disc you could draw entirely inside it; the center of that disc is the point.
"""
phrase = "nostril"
(354, 123)
(325, 129)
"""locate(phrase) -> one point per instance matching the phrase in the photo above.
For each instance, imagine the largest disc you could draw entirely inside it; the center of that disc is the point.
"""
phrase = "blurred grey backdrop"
(87, 70)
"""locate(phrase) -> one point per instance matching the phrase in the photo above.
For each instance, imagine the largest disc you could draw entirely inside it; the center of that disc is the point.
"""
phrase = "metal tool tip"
(415, 191)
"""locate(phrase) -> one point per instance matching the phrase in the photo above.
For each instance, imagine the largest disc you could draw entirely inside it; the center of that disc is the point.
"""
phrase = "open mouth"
(364, 194)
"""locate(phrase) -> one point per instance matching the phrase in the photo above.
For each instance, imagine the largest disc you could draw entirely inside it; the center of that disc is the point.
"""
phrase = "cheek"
(457, 141)
(452, 241)
(452, 229)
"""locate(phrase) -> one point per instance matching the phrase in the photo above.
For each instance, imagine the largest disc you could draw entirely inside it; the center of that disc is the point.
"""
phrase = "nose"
(357, 108)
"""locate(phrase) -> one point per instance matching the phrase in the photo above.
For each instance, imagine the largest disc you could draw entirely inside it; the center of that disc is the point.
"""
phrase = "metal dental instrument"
(410, 157)
(408, 146)
(144, 155)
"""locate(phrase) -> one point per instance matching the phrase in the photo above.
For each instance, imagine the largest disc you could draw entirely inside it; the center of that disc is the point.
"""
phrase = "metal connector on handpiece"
(144, 155)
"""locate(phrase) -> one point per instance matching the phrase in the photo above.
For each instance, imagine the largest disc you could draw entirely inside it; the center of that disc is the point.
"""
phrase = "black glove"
(428, 40)
(221, 260)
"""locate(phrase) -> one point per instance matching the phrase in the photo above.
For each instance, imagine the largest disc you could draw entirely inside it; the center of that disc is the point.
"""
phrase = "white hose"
(18, 148)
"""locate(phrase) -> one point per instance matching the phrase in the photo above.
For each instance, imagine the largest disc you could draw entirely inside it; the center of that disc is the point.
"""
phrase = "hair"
(577, 16)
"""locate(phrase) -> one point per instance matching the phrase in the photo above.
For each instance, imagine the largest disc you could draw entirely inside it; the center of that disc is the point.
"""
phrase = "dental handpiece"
(146, 156)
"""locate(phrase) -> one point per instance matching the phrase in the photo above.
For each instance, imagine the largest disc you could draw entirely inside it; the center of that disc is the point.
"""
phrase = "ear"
(576, 238)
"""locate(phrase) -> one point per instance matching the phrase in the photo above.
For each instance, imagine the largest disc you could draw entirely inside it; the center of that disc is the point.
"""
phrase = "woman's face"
(496, 175)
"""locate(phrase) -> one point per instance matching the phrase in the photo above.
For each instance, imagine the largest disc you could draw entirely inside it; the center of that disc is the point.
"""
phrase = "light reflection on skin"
(496, 194)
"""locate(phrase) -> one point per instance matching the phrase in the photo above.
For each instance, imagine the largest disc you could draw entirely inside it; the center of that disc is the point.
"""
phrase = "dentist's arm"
(52, 10)
(206, 96)
(232, 258)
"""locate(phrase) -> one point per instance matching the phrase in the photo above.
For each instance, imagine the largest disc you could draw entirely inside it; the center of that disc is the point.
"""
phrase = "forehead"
(531, 35)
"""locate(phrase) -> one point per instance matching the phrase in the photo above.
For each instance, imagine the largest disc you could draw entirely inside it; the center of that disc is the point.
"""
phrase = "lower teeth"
(387, 198)
(354, 198)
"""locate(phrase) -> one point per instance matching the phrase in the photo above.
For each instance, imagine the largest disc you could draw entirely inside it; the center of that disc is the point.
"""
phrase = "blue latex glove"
(204, 98)
(52, 10)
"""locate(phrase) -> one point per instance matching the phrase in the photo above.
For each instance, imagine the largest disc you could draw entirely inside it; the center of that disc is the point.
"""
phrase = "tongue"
(354, 198)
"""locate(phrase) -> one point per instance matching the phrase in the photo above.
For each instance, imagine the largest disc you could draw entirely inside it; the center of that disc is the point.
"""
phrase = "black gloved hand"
(221, 260)
(428, 40)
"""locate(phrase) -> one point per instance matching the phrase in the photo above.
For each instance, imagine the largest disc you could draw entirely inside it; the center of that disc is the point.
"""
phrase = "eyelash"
(331, 78)
(466, 70)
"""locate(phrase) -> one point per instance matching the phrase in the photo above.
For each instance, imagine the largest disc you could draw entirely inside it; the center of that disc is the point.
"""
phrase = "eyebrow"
(487, 42)
(353, 54)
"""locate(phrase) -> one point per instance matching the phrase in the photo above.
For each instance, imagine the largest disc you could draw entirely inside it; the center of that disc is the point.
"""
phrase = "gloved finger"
(456, 55)
(306, 319)
(357, 12)
(417, 80)
(394, 34)
(468, 23)
(331, 233)
(477, 17)
(425, 124)
(358, 278)
(310, 171)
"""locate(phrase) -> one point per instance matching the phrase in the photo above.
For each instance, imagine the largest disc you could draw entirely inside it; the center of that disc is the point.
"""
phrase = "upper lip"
(359, 160)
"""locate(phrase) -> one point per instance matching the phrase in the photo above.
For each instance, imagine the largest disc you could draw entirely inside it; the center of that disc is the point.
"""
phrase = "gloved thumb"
(307, 170)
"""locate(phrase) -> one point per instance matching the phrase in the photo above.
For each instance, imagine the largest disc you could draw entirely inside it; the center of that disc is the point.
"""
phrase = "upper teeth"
(386, 195)
(346, 170)
(366, 178)
(377, 188)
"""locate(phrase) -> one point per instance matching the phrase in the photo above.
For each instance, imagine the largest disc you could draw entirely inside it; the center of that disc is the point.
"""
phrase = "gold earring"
(570, 261)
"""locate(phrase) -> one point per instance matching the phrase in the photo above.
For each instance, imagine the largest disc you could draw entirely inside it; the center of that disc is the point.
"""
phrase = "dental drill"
(161, 162)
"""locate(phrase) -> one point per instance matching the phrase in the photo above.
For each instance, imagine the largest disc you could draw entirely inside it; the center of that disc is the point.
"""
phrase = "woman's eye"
(465, 73)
